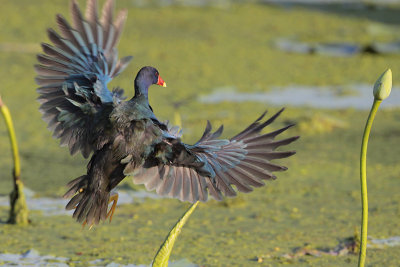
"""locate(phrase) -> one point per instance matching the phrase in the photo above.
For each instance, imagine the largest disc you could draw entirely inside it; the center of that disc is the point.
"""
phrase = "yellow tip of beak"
(164, 85)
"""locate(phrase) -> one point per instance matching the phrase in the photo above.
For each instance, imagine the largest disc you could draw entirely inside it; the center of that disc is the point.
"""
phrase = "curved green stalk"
(363, 180)
(382, 89)
(13, 140)
(162, 256)
(19, 209)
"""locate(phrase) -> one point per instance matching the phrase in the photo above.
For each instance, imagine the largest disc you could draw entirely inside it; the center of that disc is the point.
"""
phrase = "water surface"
(355, 96)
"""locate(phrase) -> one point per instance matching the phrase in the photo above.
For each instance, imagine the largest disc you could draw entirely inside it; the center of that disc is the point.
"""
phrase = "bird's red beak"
(161, 82)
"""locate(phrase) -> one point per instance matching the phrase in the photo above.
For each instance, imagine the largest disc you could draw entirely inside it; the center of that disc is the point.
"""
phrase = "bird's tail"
(90, 205)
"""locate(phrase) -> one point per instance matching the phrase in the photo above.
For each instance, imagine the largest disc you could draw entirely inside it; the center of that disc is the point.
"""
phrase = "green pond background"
(197, 49)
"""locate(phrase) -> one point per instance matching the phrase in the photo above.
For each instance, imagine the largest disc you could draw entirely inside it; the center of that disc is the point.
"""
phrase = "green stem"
(19, 209)
(13, 140)
(162, 256)
(363, 180)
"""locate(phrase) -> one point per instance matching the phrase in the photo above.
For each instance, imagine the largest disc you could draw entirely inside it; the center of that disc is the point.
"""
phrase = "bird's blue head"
(146, 77)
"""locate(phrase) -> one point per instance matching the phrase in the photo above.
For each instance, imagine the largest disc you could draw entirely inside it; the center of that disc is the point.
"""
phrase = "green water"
(316, 202)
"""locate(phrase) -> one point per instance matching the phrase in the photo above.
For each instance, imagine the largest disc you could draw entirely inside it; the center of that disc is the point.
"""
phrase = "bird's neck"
(141, 90)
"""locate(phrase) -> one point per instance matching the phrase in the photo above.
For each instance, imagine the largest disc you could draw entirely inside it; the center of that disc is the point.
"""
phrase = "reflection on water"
(56, 206)
(356, 96)
(330, 49)
(33, 258)
(385, 242)
(336, 49)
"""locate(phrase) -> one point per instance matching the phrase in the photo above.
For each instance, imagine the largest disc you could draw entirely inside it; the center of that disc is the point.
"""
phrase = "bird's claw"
(114, 200)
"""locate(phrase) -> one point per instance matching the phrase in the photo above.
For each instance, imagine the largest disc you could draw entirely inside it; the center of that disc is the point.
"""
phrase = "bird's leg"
(114, 200)
(110, 213)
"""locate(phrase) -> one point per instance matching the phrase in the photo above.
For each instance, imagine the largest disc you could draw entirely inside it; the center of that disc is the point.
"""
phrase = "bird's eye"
(157, 74)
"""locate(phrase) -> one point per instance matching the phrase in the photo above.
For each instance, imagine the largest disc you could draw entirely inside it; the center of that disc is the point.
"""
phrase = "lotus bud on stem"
(383, 85)
(381, 91)
(19, 209)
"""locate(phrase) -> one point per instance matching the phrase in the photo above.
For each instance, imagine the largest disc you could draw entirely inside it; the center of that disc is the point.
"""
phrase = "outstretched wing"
(73, 74)
(212, 165)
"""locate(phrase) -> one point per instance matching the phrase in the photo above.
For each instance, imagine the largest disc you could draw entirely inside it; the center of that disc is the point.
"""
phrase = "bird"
(124, 137)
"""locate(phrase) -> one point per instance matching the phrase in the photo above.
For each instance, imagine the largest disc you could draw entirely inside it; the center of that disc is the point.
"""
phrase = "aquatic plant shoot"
(381, 91)
(18, 210)
(162, 255)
